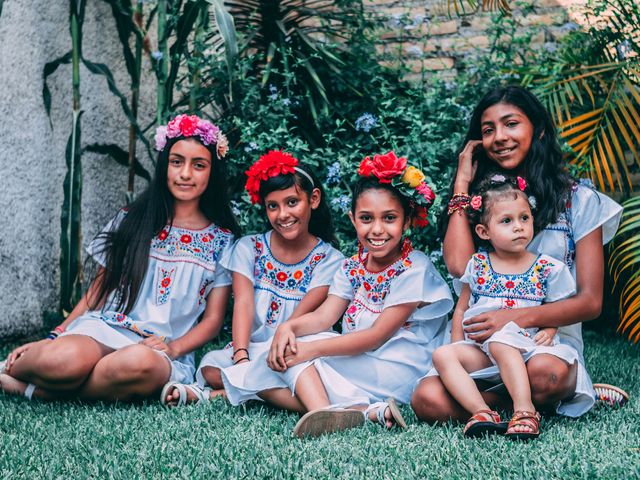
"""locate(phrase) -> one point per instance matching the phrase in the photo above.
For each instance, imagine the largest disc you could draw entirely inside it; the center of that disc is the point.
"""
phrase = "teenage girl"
(277, 275)
(137, 325)
(508, 276)
(393, 305)
(512, 133)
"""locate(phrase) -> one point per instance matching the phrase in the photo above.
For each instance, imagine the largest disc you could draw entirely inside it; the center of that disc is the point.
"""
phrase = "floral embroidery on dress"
(121, 320)
(273, 311)
(199, 246)
(530, 285)
(203, 290)
(371, 288)
(163, 287)
(290, 282)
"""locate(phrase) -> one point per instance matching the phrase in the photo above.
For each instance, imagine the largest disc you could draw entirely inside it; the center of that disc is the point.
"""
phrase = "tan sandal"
(484, 422)
(328, 420)
(521, 418)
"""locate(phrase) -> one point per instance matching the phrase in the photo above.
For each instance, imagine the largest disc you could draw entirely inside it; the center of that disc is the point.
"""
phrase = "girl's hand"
(304, 353)
(158, 344)
(283, 338)
(545, 336)
(466, 166)
(18, 352)
(481, 327)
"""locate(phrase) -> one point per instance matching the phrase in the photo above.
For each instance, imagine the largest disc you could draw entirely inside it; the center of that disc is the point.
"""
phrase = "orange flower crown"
(408, 180)
(271, 164)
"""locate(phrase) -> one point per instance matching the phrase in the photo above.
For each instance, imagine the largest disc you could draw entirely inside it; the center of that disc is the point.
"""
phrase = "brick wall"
(421, 34)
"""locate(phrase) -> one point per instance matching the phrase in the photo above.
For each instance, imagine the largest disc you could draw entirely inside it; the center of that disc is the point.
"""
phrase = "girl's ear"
(314, 198)
(406, 224)
(482, 232)
(353, 221)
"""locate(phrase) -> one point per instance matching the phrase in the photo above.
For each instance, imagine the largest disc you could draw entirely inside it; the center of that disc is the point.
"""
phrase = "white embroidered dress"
(183, 269)
(278, 289)
(586, 211)
(546, 280)
(392, 369)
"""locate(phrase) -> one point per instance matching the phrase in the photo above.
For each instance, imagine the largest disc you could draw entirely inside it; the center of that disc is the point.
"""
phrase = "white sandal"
(381, 407)
(202, 394)
(328, 420)
(610, 395)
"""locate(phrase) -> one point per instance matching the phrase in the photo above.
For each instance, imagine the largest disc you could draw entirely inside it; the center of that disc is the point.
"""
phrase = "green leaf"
(120, 155)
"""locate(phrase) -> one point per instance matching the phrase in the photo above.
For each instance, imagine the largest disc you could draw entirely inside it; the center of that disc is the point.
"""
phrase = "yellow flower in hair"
(412, 177)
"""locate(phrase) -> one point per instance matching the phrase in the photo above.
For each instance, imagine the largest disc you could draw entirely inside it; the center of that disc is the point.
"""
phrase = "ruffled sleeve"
(421, 283)
(560, 282)
(222, 276)
(340, 285)
(324, 272)
(97, 248)
(241, 258)
(591, 209)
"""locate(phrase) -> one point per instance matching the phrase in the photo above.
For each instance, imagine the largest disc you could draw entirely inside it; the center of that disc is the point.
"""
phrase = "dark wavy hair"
(543, 167)
(372, 183)
(126, 249)
(321, 222)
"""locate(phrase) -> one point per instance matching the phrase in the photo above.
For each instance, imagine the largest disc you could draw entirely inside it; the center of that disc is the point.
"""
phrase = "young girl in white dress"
(508, 276)
(277, 275)
(137, 325)
(393, 305)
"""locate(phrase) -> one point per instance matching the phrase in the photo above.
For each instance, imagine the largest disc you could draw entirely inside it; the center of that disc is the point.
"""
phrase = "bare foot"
(11, 385)
(388, 418)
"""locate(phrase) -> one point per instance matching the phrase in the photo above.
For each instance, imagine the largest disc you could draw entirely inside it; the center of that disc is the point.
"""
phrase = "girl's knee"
(551, 379)
(137, 363)
(442, 355)
(431, 402)
(213, 377)
(64, 363)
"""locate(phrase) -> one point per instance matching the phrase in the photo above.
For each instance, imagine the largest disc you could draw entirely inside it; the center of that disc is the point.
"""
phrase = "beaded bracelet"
(458, 202)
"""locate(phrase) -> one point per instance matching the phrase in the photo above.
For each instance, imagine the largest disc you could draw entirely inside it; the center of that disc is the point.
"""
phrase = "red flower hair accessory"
(408, 180)
(271, 164)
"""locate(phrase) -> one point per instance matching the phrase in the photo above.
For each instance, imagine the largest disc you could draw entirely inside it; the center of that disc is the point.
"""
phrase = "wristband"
(239, 350)
(52, 335)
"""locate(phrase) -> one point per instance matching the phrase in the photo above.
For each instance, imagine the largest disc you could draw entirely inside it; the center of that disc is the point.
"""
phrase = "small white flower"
(498, 178)
(533, 202)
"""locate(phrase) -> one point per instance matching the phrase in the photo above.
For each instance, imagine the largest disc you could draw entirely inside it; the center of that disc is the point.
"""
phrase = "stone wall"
(32, 160)
(421, 33)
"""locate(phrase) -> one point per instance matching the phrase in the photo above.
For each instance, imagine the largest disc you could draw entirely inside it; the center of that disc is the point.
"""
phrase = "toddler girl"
(506, 277)
(137, 325)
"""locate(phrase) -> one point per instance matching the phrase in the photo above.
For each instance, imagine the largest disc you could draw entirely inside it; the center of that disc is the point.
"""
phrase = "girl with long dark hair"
(137, 326)
(277, 275)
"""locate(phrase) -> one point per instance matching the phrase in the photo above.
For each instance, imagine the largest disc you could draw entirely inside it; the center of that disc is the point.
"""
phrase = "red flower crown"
(271, 164)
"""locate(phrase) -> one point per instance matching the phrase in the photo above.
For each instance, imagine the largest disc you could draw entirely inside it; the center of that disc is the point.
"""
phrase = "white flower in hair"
(498, 178)
(533, 202)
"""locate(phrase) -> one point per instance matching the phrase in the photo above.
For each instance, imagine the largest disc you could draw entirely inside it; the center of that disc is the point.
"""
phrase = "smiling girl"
(137, 326)
(277, 275)
(393, 305)
(511, 133)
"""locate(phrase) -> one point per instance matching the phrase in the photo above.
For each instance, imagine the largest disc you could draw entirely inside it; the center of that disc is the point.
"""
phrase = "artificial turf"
(76, 440)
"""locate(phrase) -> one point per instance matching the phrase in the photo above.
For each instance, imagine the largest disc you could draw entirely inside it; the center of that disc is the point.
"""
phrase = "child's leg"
(283, 398)
(514, 375)
(453, 362)
(131, 373)
(213, 377)
(61, 365)
(310, 390)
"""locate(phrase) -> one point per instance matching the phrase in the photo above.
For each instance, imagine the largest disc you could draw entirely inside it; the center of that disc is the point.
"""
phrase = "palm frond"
(464, 7)
(624, 267)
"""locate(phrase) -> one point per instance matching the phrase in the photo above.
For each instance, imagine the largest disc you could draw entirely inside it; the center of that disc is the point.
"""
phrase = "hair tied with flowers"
(410, 182)
(271, 164)
(192, 126)
(519, 182)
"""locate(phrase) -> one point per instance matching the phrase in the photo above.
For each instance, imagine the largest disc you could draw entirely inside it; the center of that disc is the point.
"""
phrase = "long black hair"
(543, 167)
(321, 222)
(126, 249)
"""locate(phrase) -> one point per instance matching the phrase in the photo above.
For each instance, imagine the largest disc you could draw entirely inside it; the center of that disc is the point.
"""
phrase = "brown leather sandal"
(521, 418)
(484, 422)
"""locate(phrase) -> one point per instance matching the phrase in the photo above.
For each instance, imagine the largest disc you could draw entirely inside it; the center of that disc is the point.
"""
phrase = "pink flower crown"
(410, 182)
(192, 126)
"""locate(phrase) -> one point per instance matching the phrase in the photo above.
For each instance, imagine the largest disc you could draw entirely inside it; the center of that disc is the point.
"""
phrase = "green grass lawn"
(74, 440)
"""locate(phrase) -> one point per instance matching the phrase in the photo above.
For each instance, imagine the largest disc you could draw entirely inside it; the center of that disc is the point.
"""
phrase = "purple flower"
(366, 122)
(208, 132)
